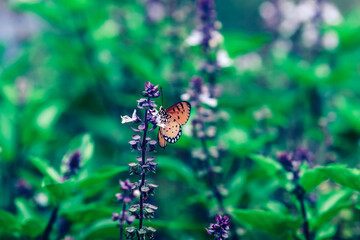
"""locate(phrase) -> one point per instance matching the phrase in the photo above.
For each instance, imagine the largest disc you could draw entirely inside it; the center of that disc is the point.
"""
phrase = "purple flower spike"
(151, 91)
(220, 229)
(144, 164)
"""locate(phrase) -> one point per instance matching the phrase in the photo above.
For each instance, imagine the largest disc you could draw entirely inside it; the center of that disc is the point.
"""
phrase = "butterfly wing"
(161, 138)
(172, 130)
(180, 111)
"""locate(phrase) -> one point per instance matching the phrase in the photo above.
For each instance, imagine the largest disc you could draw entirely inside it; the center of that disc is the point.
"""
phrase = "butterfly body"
(173, 118)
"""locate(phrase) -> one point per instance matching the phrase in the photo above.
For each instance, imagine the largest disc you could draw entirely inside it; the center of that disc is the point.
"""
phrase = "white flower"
(206, 99)
(267, 10)
(331, 14)
(330, 40)
(127, 119)
(195, 38)
(185, 97)
(306, 11)
(216, 39)
(287, 9)
(288, 27)
(282, 46)
(42, 199)
(249, 62)
(223, 59)
(310, 35)
(155, 113)
(156, 11)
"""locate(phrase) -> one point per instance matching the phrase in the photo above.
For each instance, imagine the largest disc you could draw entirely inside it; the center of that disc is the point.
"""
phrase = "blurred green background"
(69, 69)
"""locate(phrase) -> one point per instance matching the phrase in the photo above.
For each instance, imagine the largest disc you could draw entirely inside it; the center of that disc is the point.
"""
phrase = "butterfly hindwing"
(172, 130)
(161, 139)
(180, 111)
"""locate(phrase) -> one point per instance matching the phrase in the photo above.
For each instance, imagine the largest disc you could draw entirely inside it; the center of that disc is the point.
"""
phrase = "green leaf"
(45, 169)
(7, 133)
(33, 227)
(60, 191)
(184, 225)
(326, 232)
(235, 183)
(311, 178)
(89, 213)
(331, 206)
(23, 209)
(325, 217)
(271, 166)
(332, 199)
(102, 229)
(9, 225)
(273, 223)
(350, 112)
(102, 175)
(348, 177)
(175, 169)
(49, 115)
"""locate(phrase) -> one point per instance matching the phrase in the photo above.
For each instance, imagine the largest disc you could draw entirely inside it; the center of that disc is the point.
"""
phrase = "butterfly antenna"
(162, 97)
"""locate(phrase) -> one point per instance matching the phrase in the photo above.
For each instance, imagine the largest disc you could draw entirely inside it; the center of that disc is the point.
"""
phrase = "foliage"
(69, 69)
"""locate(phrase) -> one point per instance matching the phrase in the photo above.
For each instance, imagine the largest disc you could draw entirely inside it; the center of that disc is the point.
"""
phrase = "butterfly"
(172, 118)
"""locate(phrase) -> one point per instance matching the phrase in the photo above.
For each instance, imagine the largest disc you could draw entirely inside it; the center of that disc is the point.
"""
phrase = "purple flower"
(72, 165)
(23, 188)
(126, 186)
(285, 160)
(303, 154)
(220, 229)
(291, 161)
(151, 91)
(74, 162)
(115, 216)
(197, 83)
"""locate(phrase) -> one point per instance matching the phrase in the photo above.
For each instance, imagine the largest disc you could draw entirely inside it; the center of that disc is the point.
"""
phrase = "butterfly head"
(162, 113)
(162, 110)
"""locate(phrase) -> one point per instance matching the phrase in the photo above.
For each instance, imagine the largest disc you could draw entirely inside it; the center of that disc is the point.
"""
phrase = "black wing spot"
(178, 117)
(178, 108)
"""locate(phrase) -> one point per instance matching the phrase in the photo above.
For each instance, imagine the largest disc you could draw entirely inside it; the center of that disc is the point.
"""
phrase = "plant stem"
(123, 220)
(300, 195)
(50, 224)
(211, 176)
(143, 158)
(306, 223)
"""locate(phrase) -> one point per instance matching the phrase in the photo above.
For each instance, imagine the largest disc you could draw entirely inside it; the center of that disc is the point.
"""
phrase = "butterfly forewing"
(180, 111)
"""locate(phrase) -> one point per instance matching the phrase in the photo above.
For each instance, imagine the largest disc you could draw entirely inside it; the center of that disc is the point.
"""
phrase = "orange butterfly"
(173, 118)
